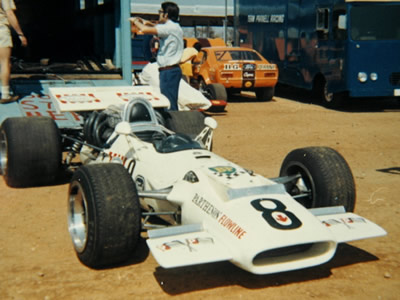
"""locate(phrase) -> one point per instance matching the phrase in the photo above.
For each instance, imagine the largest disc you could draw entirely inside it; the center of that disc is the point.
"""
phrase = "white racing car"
(138, 166)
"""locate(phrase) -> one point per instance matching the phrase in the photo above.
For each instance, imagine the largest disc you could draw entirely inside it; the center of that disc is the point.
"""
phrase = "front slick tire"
(104, 218)
(325, 179)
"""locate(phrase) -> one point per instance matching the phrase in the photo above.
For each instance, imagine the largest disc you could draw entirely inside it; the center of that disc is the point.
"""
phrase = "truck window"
(338, 33)
(373, 22)
(322, 25)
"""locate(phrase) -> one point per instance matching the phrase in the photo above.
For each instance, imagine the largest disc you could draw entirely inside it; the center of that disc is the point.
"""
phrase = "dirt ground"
(37, 260)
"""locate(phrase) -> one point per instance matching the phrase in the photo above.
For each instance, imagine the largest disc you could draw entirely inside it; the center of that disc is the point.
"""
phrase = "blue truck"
(337, 48)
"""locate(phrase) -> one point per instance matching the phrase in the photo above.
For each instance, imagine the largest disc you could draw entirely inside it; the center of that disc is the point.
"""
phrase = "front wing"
(347, 227)
(185, 245)
(190, 244)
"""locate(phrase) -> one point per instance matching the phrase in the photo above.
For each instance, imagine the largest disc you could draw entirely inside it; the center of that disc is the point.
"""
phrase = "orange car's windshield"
(225, 55)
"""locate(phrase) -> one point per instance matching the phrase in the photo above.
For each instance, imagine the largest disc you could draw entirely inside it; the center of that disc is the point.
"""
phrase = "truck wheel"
(329, 100)
(104, 219)
(325, 179)
(265, 94)
(30, 151)
(336, 101)
(190, 123)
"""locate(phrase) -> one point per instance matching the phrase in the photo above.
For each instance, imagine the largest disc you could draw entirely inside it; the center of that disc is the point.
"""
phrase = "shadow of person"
(392, 170)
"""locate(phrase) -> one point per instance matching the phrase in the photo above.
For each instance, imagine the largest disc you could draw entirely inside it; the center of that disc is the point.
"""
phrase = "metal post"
(226, 22)
(124, 39)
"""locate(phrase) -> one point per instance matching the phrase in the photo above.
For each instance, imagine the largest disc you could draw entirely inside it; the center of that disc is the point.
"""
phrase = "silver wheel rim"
(3, 153)
(77, 217)
(305, 185)
(328, 96)
(202, 87)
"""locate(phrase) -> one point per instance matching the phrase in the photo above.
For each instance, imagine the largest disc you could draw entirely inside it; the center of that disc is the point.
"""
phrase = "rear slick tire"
(30, 151)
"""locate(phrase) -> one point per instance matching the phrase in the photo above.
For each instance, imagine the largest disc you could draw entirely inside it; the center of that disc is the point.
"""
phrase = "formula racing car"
(141, 168)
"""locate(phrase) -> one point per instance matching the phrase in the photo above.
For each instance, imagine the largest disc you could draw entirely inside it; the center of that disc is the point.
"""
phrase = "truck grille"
(395, 78)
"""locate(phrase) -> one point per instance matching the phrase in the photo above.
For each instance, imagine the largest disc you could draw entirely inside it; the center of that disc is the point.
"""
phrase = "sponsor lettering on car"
(232, 67)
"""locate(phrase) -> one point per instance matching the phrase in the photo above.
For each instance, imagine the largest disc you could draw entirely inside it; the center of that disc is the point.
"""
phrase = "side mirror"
(342, 22)
(210, 122)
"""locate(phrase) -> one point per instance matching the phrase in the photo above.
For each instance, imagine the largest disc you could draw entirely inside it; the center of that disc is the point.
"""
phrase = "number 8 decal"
(278, 217)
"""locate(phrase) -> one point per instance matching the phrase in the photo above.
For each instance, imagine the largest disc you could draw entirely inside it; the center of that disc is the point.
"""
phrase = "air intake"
(291, 253)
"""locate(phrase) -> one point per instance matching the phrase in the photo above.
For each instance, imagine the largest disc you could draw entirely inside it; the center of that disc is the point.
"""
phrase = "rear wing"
(73, 99)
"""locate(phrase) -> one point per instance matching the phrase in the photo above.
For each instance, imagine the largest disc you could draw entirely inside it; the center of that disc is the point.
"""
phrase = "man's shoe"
(9, 99)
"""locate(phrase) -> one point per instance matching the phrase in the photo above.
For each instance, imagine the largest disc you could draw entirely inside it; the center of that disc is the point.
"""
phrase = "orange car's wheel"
(265, 94)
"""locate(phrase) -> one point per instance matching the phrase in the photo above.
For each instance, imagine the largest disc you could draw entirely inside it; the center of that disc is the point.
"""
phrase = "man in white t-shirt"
(189, 54)
(171, 48)
(7, 18)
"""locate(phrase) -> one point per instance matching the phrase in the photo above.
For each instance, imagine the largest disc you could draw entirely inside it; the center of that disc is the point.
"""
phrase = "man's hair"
(172, 10)
(197, 46)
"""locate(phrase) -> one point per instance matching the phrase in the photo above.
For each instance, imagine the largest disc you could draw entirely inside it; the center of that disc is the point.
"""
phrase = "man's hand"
(24, 41)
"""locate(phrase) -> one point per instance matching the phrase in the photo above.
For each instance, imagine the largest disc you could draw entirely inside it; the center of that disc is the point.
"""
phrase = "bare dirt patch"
(38, 262)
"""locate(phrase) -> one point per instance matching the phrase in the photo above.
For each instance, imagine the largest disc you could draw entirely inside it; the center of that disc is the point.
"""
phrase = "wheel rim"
(77, 217)
(302, 189)
(205, 90)
(3, 153)
(327, 96)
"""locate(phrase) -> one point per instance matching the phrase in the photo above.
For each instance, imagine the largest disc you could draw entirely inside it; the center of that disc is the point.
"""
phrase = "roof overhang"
(204, 8)
(377, 1)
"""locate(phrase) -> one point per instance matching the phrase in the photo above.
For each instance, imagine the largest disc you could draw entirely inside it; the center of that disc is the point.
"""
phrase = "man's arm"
(144, 26)
(15, 24)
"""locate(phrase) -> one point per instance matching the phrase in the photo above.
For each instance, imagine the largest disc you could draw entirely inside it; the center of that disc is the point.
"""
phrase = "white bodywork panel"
(71, 99)
(99, 98)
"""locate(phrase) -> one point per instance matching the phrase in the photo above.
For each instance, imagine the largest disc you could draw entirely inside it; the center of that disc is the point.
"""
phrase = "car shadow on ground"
(245, 96)
(352, 105)
(138, 256)
(209, 276)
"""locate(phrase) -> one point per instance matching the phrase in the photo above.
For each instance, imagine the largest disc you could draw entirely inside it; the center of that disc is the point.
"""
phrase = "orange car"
(218, 70)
